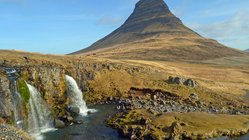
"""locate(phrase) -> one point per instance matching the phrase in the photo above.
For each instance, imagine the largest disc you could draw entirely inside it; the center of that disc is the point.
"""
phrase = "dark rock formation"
(74, 111)
(190, 83)
(5, 98)
(182, 81)
(59, 124)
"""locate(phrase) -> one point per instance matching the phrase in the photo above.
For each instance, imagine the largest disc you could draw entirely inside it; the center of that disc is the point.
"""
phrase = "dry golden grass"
(226, 76)
(166, 47)
(193, 125)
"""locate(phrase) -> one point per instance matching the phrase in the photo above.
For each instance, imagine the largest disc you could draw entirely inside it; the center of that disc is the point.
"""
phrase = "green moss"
(11, 121)
(24, 91)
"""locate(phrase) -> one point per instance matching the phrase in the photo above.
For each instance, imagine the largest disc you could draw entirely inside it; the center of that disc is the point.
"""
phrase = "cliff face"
(6, 107)
(152, 32)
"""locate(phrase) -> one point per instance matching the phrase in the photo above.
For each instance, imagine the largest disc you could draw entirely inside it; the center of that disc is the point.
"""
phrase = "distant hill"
(247, 50)
(152, 32)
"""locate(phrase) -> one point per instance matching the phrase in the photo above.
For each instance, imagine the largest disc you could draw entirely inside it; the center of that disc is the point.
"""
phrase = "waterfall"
(39, 114)
(75, 96)
(16, 98)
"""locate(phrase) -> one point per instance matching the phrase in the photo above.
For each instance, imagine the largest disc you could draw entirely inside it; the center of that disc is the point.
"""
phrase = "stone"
(69, 119)
(144, 121)
(59, 124)
(74, 111)
(78, 120)
(175, 80)
(190, 83)
(194, 96)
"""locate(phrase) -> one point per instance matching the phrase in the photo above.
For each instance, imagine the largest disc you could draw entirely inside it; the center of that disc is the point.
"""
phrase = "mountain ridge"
(153, 28)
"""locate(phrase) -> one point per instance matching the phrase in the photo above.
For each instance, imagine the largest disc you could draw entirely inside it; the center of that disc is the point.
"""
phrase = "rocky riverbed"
(179, 117)
(159, 101)
(11, 133)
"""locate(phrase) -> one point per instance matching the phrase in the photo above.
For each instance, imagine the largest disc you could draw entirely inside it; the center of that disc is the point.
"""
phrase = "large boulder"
(190, 83)
(74, 111)
(59, 124)
(176, 80)
(181, 81)
(78, 120)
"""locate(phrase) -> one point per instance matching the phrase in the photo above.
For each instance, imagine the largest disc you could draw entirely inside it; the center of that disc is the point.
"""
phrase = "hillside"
(152, 32)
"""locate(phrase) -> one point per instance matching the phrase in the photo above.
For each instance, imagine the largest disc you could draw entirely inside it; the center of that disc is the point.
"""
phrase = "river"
(93, 128)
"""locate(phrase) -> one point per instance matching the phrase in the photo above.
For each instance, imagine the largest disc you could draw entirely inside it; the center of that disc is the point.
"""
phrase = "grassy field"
(227, 76)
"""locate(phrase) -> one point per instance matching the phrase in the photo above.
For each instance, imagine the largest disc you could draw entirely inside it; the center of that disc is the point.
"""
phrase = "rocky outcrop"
(141, 124)
(6, 107)
(182, 81)
(159, 101)
(59, 124)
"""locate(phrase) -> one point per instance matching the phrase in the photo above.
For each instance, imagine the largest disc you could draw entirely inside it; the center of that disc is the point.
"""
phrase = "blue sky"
(64, 26)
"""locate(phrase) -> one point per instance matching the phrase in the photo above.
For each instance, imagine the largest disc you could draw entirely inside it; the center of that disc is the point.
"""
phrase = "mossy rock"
(24, 91)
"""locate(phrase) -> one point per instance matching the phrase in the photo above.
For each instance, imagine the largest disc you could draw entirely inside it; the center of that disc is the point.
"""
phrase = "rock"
(175, 80)
(144, 121)
(69, 119)
(194, 96)
(110, 67)
(74, 111)
(110, 99)
(133, 137)
(59, 124)
(89, 112)
(179, 80)
(154, 97)
(190, 83)
(123, 131)
(78, 120)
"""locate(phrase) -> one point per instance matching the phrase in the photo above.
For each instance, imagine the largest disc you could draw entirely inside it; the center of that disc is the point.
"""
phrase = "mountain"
(247, 50)
(152, 32)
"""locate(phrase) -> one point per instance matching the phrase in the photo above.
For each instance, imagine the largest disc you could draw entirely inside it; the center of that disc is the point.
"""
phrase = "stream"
(92, 129)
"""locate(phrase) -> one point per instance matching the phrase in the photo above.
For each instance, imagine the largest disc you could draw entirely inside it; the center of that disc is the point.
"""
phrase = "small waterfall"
(76, 96)
(39, 114)
(18, 105)
(16, 98)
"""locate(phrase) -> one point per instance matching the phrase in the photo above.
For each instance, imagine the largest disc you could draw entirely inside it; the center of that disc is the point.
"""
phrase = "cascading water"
(39, 114)
(16, 98)
(75, 96)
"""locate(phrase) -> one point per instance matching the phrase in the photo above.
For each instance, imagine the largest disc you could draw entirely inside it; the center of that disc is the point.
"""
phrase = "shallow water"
(93, 128)
(245, 137)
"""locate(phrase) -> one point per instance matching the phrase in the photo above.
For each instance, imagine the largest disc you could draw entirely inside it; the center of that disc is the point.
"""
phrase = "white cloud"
(233, 32)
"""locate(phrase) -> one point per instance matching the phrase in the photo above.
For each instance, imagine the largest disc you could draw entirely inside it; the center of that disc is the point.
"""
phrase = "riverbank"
(10, 133)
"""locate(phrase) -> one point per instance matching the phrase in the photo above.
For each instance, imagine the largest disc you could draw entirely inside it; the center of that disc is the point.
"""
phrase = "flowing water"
(93, 127)
(16, 98)
(75, 96)
(39, 120)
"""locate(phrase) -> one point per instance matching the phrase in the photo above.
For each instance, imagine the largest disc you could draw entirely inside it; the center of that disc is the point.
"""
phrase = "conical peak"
(148, 13)
(147, 4)
(157, 7)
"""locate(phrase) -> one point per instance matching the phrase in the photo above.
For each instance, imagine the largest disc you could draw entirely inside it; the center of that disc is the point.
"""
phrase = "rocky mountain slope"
(247, 50)
(152, 32)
